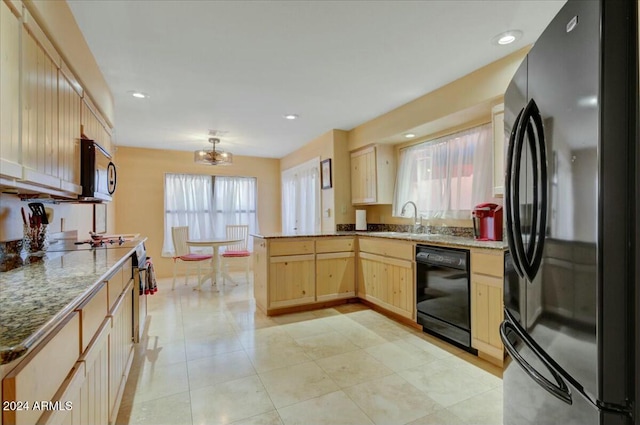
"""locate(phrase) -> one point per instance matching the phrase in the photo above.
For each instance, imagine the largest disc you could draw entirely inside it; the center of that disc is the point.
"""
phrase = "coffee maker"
(487, 222)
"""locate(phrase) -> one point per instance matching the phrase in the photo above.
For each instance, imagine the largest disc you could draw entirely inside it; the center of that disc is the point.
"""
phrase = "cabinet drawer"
(291, 247)
(127, 271)
(335, 245)
(34, 378)
(487, 262)
(387, 248)
(114, 288)
(92, 313)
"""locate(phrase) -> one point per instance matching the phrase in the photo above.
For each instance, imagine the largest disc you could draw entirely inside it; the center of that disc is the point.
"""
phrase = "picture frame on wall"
(325, 174)
(99, 218)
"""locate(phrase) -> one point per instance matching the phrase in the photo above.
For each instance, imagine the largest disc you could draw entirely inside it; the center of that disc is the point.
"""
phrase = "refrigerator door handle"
(540, 181)
(559, 390)
(530, 124)
(512, 232)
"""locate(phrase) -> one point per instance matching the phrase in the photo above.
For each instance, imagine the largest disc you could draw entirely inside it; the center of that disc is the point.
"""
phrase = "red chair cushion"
(236, 254)
(195, 257)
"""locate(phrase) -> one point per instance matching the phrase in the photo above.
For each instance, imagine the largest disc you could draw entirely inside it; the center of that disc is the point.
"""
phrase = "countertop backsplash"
(428, 230)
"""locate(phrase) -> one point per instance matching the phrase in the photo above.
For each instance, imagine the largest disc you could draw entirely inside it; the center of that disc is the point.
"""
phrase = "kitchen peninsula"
(67, 326)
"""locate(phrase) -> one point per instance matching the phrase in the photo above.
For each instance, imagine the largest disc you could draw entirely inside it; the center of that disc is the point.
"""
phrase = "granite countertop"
(36, 297)
(414, 237)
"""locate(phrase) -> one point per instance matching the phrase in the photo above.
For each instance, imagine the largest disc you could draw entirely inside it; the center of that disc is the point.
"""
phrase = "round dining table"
(214, 243)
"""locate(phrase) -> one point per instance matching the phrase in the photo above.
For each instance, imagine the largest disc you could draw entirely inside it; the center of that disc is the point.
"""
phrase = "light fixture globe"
(212, 156)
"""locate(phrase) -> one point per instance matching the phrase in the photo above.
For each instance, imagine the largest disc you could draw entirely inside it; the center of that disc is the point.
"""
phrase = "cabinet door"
(497, 114)
(368, 279)
(260, 270)
(69, 104)
(94, 393)
(486, 314)
(10, 88)
(335, 275)
(120, 349)
(291, 280)
(39, 147)
(93, 126)
(363, 176)
(387, 282)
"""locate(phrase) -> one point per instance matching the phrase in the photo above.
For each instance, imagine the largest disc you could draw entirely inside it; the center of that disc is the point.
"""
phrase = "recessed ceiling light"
(139, 95)
(409, 135)
(506, 37)
(291, 116)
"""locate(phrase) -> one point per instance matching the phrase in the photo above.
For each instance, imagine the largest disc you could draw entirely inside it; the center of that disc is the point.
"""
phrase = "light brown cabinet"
(39, 145)
(42, 108)
(94, 127)
(291, 273)
(335, 268)
(260, 272)
(487, 274)
(372, 175)
(10, 88)
(386, 275)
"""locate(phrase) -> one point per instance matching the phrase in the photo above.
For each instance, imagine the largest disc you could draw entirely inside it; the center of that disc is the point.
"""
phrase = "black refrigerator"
(571, 181)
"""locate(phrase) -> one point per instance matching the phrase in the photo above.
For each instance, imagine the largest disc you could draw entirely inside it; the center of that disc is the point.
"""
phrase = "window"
(207, 204)
(446, 177)
(301, 198)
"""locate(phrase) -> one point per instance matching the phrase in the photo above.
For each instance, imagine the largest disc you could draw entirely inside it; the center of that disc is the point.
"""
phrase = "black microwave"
(98, 172)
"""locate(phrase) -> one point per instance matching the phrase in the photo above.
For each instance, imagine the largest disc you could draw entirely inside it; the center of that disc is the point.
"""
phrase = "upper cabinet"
(94, 127)
(497, 119)
(10, 89)
(372, 175)
(41, 110)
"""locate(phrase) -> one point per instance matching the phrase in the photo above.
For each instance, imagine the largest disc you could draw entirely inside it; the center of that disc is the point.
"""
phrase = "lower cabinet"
(487, 277)
(82, 399)
(387, 282)
(120, 349)
(335, 268)
(291, 280)
(335, 276)
(292, 272)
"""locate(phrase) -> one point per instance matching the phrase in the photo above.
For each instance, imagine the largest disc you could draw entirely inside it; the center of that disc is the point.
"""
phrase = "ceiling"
(239, 66)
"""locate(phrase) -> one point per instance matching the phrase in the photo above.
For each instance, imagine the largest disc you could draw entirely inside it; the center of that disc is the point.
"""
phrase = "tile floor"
(211, 358)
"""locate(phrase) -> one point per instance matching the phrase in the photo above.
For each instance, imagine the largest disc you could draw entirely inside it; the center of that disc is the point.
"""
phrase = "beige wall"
(140, 193)
(336, 205)
(464, 100)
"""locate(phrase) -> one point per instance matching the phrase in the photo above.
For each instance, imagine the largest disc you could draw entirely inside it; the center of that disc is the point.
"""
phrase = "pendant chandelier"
(212, 156)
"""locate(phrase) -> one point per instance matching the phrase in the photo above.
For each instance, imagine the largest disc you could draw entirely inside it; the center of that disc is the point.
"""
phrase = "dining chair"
(237, 252)
(180, 236)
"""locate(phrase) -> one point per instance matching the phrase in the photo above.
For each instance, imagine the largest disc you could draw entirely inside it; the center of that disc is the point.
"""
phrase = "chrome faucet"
(416, 223)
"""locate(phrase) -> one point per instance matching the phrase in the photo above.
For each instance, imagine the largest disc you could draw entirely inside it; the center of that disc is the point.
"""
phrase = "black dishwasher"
(443, 294)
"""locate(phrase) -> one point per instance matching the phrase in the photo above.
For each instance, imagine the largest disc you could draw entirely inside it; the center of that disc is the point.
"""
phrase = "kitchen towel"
(361, 219)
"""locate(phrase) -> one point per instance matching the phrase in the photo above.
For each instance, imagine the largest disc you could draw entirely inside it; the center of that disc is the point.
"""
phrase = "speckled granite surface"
(36, 297)
(427, 239)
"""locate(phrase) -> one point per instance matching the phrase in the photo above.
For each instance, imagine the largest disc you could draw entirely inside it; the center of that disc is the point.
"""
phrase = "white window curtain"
(301, 198)
(206, 204)
(188, 201)
(446, 177)
(235, 202)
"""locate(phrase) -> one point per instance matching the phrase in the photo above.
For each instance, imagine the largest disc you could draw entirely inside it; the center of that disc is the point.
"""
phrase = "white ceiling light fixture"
(506, 37)
(409, 135)
(291, 116)
(139, 94)
(212, 156)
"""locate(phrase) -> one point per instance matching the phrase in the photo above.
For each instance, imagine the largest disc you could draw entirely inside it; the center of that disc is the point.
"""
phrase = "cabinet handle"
(303, 292)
